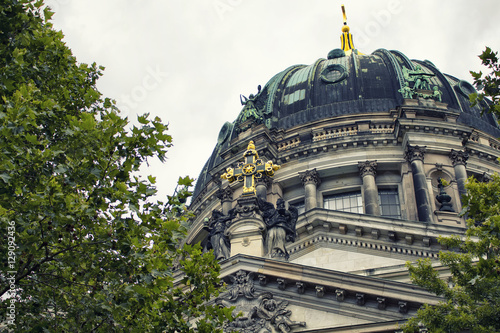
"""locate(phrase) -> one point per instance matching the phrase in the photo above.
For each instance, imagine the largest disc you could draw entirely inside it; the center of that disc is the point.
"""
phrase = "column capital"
(367, 168)
(225, 194)
(413, 153)
(310, 177)
(459, 157)
(266, 181)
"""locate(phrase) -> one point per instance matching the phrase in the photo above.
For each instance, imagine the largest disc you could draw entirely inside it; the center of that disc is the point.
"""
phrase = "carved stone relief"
(261, 313)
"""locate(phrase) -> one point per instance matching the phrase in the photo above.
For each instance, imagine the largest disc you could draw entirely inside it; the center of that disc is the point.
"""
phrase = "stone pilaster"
(310, 179)
(247, 229)
(226, 199)
(367, 171)
(459, 160)
(415, 156)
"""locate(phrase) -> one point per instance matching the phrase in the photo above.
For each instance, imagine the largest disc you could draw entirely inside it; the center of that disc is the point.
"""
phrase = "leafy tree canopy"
(85, 247)
(472, 294)
(488, 84)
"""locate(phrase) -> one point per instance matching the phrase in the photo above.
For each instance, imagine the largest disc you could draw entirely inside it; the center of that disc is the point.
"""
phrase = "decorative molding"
(288, 144)
(403, 307)
(367, 168)
(261, 313)
(320, 291)
(262, 279)
(247, 207)
(325, 134)
(398, 249)
(360, 299)
(459, 157)
(414, 153)
(281, 283)
(266, 181)
(382, 304)
(310, 177)
(300, 287)
(225, 194)
(340, 294)
(242, 285)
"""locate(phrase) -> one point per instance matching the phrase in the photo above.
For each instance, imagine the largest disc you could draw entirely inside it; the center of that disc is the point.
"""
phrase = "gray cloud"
(211, 51)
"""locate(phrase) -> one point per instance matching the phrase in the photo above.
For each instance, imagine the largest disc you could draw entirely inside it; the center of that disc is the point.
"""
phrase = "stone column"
(226, 198)
(459, 160)
(415, 156)
(310, 179)
(367, 171)
(262, 184)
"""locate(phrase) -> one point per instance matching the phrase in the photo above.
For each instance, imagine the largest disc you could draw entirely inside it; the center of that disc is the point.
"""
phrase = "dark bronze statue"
(217, 240)
(280, 225)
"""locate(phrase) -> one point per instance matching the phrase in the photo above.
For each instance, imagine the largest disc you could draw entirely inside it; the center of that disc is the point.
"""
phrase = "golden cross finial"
(346, 38)
(343, 13)
(251, 169)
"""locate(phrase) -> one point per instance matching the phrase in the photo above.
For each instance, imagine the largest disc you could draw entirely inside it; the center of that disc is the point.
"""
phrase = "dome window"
(333, 73)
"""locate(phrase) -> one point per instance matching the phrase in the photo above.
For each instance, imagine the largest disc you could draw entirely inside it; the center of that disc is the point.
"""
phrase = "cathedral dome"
(355, 84)
(346, 84)
(331, 178)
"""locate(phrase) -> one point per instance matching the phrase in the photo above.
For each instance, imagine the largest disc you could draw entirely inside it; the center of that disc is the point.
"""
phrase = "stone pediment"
(322, 299)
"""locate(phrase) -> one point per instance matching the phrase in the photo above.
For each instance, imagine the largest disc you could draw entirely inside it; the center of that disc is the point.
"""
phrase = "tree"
(85, 247)
(489, 84)
(472, 294)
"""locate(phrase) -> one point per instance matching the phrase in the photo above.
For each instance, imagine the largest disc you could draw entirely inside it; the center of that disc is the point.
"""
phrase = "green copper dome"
(349, 83)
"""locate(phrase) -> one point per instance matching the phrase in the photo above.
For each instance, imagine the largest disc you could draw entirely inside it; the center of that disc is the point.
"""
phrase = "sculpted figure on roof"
(218, 241)
(280, 225)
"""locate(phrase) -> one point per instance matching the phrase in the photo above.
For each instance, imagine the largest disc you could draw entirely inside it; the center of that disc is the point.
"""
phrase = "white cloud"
(212, 56)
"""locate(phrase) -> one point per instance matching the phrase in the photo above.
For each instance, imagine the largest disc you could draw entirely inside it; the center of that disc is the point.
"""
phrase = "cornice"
(371, 234)
(329, 290)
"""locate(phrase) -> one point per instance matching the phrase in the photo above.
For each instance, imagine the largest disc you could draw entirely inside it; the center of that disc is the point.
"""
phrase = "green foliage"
(472, 294)
(488, 84)
(93, 251)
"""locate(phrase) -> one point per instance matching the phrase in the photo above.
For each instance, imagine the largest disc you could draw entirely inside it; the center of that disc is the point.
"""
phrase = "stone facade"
(366, 178)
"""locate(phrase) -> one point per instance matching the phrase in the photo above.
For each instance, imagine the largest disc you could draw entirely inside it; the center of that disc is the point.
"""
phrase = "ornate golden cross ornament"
(249, 170)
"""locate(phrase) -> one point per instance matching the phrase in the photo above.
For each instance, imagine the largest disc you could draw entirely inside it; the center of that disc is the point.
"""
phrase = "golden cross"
(249, 170)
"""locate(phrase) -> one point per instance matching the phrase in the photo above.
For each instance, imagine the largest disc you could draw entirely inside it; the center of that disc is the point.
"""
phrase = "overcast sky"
(187, 61)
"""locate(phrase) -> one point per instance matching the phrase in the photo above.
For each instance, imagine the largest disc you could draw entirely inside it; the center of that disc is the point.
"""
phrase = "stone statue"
(257, 313)
(280, 225)
(276, 314)
(242, 285)
(217, 240)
